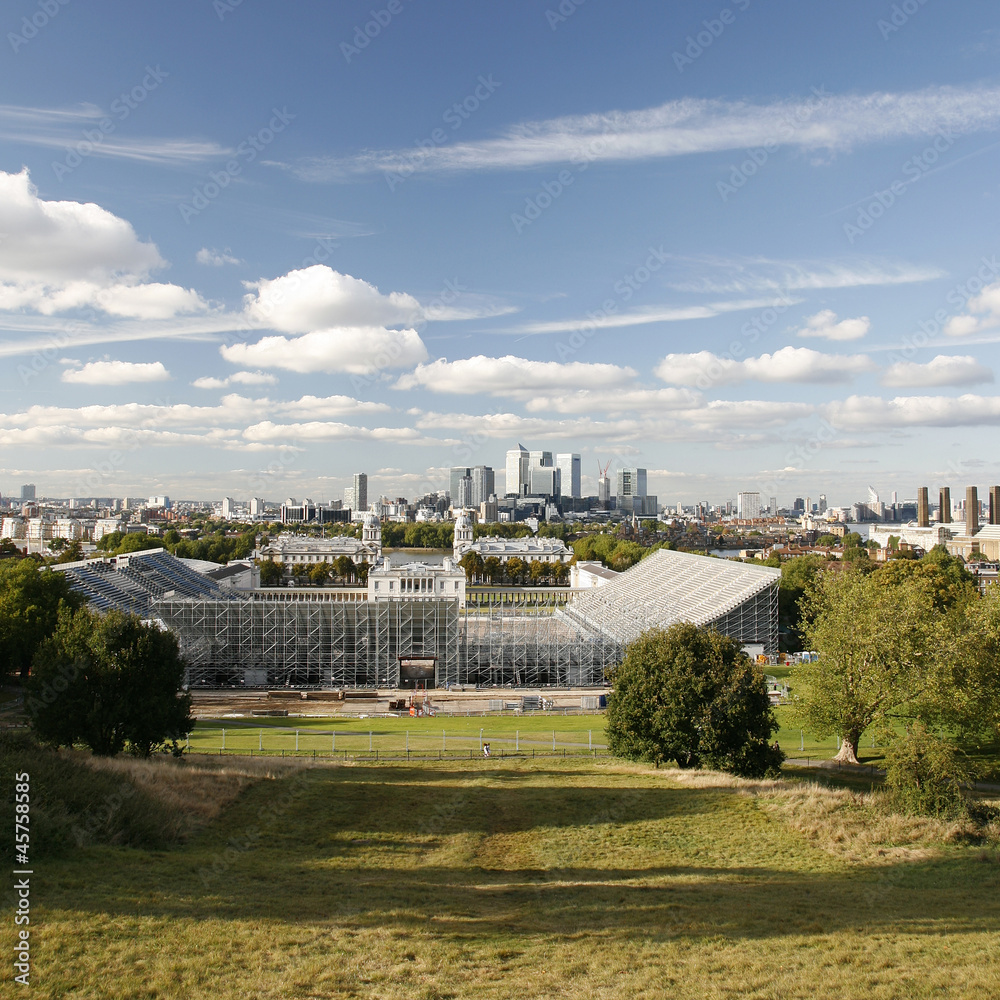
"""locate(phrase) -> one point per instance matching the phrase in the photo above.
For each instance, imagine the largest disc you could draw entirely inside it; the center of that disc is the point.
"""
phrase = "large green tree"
(30, 600)
(110, 682)
(890, 642)
(692, 695)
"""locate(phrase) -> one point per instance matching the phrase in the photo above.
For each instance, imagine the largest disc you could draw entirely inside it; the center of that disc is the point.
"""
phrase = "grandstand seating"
(133, 582)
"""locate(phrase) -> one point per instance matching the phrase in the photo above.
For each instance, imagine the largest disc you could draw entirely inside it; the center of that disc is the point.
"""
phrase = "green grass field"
(506, 879)
(449, 735)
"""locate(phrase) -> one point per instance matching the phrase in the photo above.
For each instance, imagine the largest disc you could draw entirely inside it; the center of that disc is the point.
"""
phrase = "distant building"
(483, 484)
(747, 506)
(228, 508)
(531, 549)
(569, 468)
(516, 477)
(257, 508)
(293, 550)
(28, 492)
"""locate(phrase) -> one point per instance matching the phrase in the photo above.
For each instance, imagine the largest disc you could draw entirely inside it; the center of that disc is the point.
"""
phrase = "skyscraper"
(228, 508)
(458, 473)
(361, 490)
(630, 490)
(517, 471)
(540, 459)
(995, 505)
(569, 467)
(923, 508)
(545, 481)
(747, 506)
(483, 483)
(28, 491)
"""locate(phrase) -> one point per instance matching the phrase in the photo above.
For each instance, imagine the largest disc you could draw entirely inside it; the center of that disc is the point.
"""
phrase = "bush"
(925, 774)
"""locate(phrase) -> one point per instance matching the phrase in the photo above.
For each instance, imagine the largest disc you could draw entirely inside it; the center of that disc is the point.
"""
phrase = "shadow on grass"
(373, 847)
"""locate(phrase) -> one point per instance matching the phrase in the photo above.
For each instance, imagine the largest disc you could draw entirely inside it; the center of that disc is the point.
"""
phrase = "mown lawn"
(510, 879)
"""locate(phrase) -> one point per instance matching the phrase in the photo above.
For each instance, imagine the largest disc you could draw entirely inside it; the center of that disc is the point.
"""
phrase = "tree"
(561, 573)
(692, 695)
(493, 569)
(537, 571)
(30, 601)
(110, 682)
(270, 573)
(472, 563)
(343, 566)
(515, 569)
(797, 577)
(881, 645)
(319, 574)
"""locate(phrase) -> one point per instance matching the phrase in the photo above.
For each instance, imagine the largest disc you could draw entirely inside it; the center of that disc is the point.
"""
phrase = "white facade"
(416, 581)
(747, 506)
(106, 526)
(290, 550)
(517, 471)
(569, 469)
(590, 574)
(12, 527)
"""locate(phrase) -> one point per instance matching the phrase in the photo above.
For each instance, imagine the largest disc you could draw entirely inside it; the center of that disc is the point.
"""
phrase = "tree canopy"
(110, 682)
(691, 695)
(30, 601)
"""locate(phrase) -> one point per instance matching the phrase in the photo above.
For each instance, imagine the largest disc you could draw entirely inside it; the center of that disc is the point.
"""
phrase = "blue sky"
(251, 248)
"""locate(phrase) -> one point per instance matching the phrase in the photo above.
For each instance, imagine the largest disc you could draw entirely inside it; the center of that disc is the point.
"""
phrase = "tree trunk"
(848, 753)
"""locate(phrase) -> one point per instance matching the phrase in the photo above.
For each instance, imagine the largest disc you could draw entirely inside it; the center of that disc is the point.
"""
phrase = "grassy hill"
(552, 878)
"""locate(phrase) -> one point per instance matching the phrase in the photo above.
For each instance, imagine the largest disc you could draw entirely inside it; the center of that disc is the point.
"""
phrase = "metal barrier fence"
(274, 740)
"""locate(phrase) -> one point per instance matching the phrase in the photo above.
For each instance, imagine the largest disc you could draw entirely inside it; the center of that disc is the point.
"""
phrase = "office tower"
(747, 506)
(458, 473)
(462, 497)
(971, 510)
(773, 505)
(545, 481)
(799, 507)
(256, 507)
(483, 484)
(822, 503)
(995, 505)
(569, 466)
(872, 496)
(28, 491)
(923, 508)
(349, 503)
(603, 490)
(630, 489)
(540, 459)
(228, 508)
(361, 490)
(517, 471)
(944, 505)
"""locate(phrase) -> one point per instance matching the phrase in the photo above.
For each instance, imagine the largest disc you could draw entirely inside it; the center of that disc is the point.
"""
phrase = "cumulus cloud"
(983, 313)
(956, 370)
(216, 258)
(790, 364)
(319, 298)
(876, 413)
(116, 373)
(237, 378)
(614, 401)
(60, 255)
(826, 325)
(356, 350)
(318, 430)
(512, 376)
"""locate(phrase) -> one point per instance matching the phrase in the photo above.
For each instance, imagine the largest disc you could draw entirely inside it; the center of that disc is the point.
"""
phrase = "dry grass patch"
(854, 825)
(193, 790)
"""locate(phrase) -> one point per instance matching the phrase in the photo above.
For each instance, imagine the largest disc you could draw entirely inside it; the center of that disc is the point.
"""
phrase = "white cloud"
(826, 325)
(957, 370)
(116, 373)
(640, 317)
(319, 298)
(511, 376)
(237, 378)
(744, 275)
(60, 255)
(358, 350)
(690, 126)
(789, 364)
(614, 401)
(216, 258)
(874, 413)
(317, 430)
(983, 313)
(318, 407)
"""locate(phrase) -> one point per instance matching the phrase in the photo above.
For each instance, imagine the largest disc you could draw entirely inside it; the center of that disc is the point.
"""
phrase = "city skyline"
(750, 254)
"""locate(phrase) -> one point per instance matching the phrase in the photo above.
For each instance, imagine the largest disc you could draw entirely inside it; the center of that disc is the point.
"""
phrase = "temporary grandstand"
(504, 636)
(132, 582)
(736, 599)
